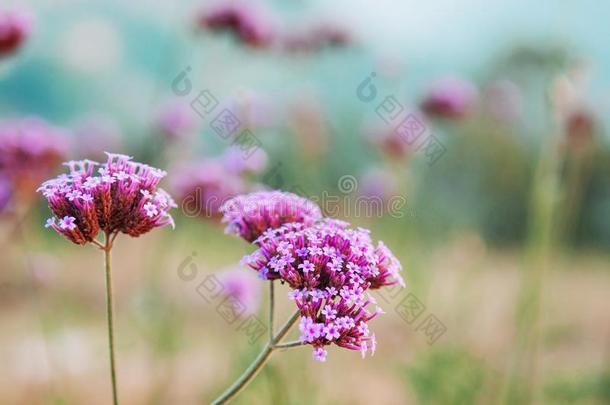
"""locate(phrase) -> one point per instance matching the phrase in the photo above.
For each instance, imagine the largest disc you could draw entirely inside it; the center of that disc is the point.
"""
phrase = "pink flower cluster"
(450, 98)
(176, 120)
(243, 286)
(329, 267)
(15, 27)
(213, 181)
(30, 149)
(118, 196)
(250, 215)
(254, 26)
(248, 23)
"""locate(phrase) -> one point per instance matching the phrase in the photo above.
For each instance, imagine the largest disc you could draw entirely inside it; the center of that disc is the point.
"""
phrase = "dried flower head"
(250, 215)
(329, 267)
(118, 196)
(15, 27)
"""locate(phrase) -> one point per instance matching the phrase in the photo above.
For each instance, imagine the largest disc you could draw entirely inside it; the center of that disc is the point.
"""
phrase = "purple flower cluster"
(250, 215)
(207, 184)
(248, 23)
(242, 286)
(30, 149)
(450, 98)
(175, 120)
(254, 26)
(15, 27)
(328, 266)
(118, 196)
(213, 181)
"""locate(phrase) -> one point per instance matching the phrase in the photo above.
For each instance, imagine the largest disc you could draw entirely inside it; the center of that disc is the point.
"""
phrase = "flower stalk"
(261, 359)
(107, 247)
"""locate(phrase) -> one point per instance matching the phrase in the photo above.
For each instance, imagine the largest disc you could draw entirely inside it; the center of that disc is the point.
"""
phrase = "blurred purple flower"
(450, 98)
(15, 27)
(5, 193)
(176, 120)
(207, 185)
(235, 163)
(388, 141)
(250, 215)
(246, 21)
(242, 285)
(121, 197)
(94, 134)
(30, 150)
(378, 183)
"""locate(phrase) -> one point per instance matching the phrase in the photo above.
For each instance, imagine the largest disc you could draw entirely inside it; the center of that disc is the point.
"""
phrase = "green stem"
(258, 363)
(107, 248)
(287, 345)
(271, 306)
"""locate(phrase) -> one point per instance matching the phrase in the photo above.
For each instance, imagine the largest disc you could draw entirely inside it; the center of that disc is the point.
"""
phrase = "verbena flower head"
(15, 27)
(334, 319)
(450, 98)
(324, 255)
(117, 196)
(330, 267)
(250, 215)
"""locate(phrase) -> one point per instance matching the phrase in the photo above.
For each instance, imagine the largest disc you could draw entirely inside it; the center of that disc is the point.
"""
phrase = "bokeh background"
(504, 237)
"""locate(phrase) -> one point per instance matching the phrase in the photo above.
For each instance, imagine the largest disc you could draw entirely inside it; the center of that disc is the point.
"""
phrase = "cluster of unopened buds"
(329, 266)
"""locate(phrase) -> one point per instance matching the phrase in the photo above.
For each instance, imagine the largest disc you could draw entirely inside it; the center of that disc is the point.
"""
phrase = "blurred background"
(470, 137)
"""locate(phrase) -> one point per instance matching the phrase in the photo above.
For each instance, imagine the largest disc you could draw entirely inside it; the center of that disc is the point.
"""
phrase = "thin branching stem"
(288, 345)
(261, 359)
